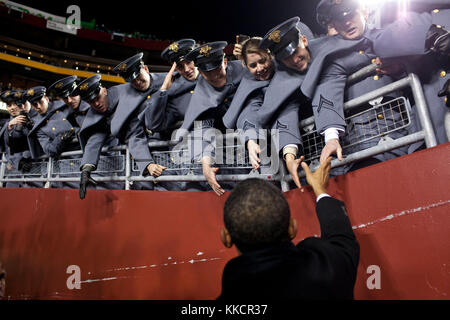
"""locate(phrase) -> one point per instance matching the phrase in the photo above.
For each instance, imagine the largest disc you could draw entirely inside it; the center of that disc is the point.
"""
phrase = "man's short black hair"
(256, 215)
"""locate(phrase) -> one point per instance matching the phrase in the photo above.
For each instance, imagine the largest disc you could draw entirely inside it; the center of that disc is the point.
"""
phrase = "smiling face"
(300, 59)
(353, 26)
(14, 109)
(260, 65)
(217, 77)
(187, 69)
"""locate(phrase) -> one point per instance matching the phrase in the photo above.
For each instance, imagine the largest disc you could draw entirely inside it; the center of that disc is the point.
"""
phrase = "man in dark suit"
(269, 266)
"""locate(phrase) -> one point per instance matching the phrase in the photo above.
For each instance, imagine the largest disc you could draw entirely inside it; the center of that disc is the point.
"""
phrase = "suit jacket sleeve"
(337, 230)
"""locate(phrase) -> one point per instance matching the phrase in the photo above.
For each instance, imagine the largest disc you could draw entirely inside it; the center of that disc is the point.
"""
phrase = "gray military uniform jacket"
(242, 114)
(212, 103)
(45, 137)
(165, 108)
(208, 105)
(95, 132)
(432, 69)
(126, 126)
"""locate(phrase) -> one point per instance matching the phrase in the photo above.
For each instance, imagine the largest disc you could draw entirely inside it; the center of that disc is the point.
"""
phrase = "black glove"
(85, 180)
(25, 165)
(68, 135)
(445, 91)
(438, 40)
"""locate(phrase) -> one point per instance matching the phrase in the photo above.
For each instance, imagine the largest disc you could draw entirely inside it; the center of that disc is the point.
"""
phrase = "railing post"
(49, 172)
(127, 169)
(2, 168)
(422, 111)
(447, 124)
(283, 174)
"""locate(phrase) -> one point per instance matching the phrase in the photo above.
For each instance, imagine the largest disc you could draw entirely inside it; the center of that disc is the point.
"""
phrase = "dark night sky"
(202, 20)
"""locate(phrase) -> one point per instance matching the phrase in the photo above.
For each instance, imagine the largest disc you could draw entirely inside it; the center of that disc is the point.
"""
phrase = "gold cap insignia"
(122, 67)
(84, 86)
(7, 93)
(174, 47)
(275, 36)
(206, 51)
(30, 92)
(59, 85)
(18, 94)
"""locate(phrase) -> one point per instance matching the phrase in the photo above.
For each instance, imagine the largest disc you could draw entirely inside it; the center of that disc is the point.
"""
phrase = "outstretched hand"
(292, 165)
(331, 147)
(253, 151)
(210, 175)
(318, 179)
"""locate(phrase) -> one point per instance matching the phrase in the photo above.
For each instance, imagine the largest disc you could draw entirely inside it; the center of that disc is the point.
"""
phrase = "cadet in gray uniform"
(271, 95)
(95, 132)
(211, 99)
(284, 104)
(330, 91)
(52, 129)
(127, 126)
(63, 90)
(168, 106)
(427, 57)
(398, 38)
(13, 136)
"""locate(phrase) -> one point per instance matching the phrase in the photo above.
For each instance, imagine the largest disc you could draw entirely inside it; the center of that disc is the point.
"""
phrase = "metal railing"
(121, 166)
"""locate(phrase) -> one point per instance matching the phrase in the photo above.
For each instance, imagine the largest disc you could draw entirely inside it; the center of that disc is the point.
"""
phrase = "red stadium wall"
(166, 245)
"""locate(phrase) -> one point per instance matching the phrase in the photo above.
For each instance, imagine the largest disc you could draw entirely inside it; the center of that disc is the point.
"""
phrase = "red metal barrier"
(166, 245)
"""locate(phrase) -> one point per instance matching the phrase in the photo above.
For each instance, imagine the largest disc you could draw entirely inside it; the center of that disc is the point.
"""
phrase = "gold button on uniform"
(438, 26)
(53, 129)
(380, 116)
(443, 74)
(64, 119)
(374, 60)
(435, 10)
(57, 111)
(376, 77)
(148, 97)
(361, 52)
(192, 91)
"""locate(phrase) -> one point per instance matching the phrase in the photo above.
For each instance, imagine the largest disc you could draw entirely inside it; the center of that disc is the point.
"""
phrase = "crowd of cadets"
(279, 79)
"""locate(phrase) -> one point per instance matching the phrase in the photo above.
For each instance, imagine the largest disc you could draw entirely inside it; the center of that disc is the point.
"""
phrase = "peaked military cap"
(63, 87)
(176, 51)
(208, 56)
(329, 10)
(13, 96)
(130, 68)
(89, 88)
(34, 94)
(283, 39)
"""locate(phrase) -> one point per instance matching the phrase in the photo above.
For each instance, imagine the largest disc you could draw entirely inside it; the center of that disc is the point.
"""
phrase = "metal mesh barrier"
(106, 164)
(228, 157)
(362, 127)
(38, 168)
